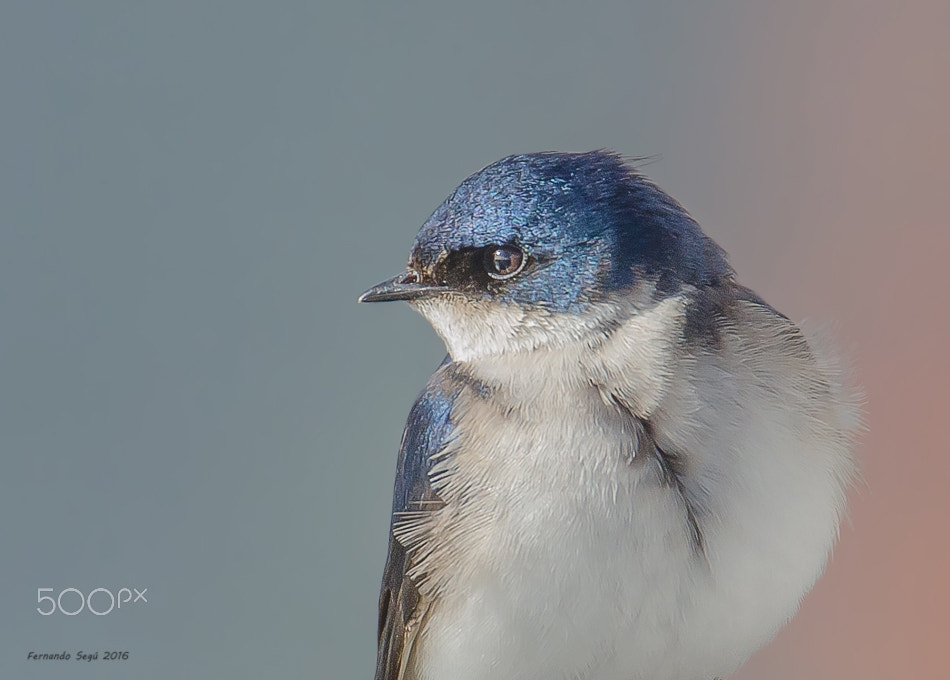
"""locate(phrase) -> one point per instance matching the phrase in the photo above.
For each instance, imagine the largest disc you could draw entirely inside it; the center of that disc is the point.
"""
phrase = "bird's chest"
(568, 461)
(552, 518)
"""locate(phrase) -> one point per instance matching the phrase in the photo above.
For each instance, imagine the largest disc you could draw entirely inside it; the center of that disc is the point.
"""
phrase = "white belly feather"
(561, 553)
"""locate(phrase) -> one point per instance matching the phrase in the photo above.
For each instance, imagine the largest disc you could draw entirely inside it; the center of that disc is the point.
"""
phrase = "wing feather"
(401, 607)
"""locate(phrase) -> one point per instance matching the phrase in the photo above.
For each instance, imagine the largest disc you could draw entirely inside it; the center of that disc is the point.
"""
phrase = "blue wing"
(400, 606)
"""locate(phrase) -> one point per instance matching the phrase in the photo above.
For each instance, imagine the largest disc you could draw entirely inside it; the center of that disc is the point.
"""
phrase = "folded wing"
(401, 607)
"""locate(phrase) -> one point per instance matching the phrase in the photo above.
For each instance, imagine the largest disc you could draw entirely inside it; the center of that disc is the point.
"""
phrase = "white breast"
(562, 553)
(563, 541)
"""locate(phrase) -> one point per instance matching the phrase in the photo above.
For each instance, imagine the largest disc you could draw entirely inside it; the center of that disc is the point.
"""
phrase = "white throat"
(538, 351)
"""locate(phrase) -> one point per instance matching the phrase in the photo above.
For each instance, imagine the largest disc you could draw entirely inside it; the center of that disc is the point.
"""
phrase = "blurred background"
(193, 194)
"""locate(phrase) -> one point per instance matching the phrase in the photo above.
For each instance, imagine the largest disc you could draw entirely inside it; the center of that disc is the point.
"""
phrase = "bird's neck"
(565, 358)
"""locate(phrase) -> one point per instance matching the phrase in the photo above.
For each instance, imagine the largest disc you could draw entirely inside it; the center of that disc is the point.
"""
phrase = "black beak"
(405, 286)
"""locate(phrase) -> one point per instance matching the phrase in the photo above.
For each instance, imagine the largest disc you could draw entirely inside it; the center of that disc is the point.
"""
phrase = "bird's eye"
(503, 262)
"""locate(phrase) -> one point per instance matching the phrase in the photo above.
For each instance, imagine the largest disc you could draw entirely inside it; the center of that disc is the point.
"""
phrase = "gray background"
(192, 196)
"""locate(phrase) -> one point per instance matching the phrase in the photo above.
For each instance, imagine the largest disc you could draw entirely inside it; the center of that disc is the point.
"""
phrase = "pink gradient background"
(853, 105)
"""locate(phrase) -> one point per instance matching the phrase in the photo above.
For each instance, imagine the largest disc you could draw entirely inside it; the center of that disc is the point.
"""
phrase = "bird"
(628, 466)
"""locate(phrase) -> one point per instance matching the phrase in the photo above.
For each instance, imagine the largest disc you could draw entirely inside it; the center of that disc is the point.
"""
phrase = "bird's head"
(534, 251)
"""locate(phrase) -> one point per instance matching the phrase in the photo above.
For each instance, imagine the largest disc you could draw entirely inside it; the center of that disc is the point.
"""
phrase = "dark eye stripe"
(478, 271)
